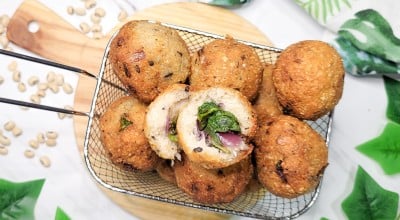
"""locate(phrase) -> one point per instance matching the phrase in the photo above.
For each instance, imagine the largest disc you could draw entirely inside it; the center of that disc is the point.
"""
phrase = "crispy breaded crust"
(227, 63)
(290, 156)
(148, 57)
(213, 185)
(128, 147)
(266, 104)
(308, 77)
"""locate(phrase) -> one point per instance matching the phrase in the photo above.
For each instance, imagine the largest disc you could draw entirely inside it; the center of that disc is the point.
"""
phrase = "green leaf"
(361, 63)
(324, 218)
(392, 87)
(319, 9)
(18, 200)
(385, 149)
(370, 32)
(124, 123)
(61, 215)
(369, 200)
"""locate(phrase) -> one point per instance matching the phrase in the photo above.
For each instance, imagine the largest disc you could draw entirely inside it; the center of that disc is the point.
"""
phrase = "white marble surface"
(359, 117)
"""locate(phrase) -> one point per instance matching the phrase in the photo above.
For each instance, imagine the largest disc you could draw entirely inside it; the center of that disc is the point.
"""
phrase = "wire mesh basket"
(258, 203)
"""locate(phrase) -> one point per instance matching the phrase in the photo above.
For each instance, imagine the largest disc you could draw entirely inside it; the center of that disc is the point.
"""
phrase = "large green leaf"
(321, 9)
(393, 93)
(360, 63)
(369, 200)
(370, 32)
(385, 149)
(61, 215)
(18, 200)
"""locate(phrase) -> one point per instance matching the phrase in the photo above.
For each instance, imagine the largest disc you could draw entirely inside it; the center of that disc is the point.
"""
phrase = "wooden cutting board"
(59, 41)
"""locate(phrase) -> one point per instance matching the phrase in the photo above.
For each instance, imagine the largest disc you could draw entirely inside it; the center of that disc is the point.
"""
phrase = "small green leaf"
(18, 200)
(393, 92)
(124, 123)
(324, 218)
(369, 200)
(385, 149)
(61, 215)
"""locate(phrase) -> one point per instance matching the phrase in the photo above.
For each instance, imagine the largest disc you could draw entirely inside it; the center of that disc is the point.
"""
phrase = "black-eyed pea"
(51, 77)
(29, 153)
(85, 28)
(12, 66)
(100, 12)
(16, 76)
(4, 140)
(50, 142)
(54, 87)
(35, 99)
(4, 42)
(9, 125)
(3, 150)
(41, 93)
(67, 88)
(33, 144)
(33, 80)
(61, 115)
(45, 161)
(21, 87)
(43, 86)
(96, 28)
(95, 18)
(80, 11)
(70, 10)
(51, 135)
(40, 138)
(90, 4)
(16, 131)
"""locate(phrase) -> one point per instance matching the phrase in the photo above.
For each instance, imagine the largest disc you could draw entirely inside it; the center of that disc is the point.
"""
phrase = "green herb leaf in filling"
(124, 123)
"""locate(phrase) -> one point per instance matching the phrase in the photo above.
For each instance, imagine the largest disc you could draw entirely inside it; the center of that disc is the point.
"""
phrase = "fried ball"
(148, 57)
(266, 104)
(213, 186)
(227, 63)
(308, 77)
(122, 135)
(290, 156)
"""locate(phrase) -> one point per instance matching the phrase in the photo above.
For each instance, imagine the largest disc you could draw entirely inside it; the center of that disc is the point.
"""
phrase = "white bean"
(5, 19)
(16, 131)
(29, 153)
(70, 10)
(100, 12)
(54, 87)
(8, 126)
(51, 77)
(97, 35)
(80, 11)
(41, 93)
(21, 87)
(85, 28)
(3, 150)
(35, 98)
(61, 115)
(33, 144)
(95, 19)
(67, 88)
(4, 41)
(97, 28)
(51, 142)
(5, 141)
(33, 80)
(40, 137)
(16, 76)
(51, 134)
(90, 4)
(45, 161)
(42, 86)
(12, 66)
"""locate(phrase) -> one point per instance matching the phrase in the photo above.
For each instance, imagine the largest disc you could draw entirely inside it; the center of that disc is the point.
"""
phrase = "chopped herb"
(124, 123)
(213, 120)
(172, 133)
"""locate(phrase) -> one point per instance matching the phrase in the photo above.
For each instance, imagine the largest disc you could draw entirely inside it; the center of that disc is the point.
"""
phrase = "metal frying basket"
(256, 203)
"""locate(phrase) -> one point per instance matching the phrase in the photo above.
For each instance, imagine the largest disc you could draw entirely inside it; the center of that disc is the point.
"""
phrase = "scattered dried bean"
(29, 153)
(8, 126)
(40, 138)
(34, 144)
(67, 88)
(5, 141)
(16, 131)
(51, 134)
(45, 161)
(80, 11)
(16, 76)
(21, 87)
(3, 150)
(33, 80)
(100, 12)
(85, 28)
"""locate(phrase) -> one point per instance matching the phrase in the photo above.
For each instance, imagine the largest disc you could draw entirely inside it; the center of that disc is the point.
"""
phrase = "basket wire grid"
(256, 203)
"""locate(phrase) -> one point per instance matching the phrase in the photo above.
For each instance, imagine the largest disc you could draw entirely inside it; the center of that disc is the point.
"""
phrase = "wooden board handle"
(54, 34)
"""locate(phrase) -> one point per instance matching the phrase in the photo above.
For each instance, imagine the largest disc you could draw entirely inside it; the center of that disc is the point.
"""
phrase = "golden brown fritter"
(213, 186)
(308, 77)
(290, 156)
(228, 63)
(266, 104)
(122, 135)
(148, 57)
